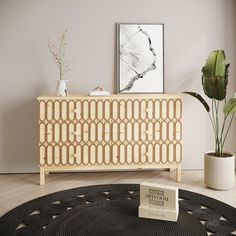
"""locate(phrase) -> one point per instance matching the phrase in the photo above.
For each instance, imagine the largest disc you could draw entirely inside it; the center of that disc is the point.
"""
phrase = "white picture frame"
(140, 58)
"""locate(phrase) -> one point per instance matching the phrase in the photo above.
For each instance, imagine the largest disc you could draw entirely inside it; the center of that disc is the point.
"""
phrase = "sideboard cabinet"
(117, 132)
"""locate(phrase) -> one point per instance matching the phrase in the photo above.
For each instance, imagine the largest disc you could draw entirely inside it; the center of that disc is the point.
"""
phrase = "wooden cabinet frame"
(117, 132)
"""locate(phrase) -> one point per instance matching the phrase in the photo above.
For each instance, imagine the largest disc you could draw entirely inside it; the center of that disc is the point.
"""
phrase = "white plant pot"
(61, 89)
(219, 172)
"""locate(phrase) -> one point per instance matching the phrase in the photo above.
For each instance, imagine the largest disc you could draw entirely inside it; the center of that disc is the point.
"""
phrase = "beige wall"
(193, 28)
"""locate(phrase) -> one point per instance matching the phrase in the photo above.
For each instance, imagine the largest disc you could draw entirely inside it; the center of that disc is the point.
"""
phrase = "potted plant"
(219, 165)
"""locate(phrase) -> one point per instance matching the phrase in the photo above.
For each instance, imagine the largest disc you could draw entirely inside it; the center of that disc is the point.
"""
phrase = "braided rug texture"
(112, 210)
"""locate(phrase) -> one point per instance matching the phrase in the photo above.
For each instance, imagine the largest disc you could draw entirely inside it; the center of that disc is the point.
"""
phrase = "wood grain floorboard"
(19, 188)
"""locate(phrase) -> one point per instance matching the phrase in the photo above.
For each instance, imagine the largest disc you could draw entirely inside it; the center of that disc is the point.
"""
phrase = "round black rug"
(112, 210)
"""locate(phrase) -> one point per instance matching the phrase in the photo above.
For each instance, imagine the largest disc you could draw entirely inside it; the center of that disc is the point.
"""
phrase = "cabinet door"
(95, 131)
(178, 131)
(131, 127)
(119, 131)
(162, 109)
(168, 130)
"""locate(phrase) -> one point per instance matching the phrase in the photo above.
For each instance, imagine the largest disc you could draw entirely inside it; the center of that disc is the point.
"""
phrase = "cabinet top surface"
(112, 96)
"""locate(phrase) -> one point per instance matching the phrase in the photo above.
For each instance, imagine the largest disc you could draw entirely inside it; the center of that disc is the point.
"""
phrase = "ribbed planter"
(219, 172)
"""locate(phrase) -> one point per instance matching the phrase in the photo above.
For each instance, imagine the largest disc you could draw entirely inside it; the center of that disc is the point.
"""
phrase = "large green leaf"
(230, 106)
(200, 99)
(215, 75)
(215, 64)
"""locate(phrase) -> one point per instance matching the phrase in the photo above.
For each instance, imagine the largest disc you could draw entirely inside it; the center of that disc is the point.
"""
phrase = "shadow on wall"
(20, 134)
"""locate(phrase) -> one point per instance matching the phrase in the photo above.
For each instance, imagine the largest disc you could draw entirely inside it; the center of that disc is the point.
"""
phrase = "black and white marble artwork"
(140, 58)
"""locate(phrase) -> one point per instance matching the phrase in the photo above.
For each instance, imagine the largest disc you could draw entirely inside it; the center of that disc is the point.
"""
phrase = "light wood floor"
(19, 188)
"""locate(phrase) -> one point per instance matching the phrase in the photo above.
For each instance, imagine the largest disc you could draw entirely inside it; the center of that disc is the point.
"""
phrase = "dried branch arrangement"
(58, 54)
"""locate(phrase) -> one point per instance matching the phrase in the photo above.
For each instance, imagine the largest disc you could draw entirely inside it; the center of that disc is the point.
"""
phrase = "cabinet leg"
(178, 173)
(42, 176)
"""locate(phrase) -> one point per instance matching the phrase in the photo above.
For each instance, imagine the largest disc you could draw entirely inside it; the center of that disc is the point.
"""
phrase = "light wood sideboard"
(117, 132)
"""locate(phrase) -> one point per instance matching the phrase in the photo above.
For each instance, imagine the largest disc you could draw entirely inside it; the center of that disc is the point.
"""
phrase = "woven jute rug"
(112, 210)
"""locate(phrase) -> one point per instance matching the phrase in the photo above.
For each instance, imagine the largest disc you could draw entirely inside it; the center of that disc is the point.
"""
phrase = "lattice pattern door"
(110, 132)
(146, 131)
(74, 132)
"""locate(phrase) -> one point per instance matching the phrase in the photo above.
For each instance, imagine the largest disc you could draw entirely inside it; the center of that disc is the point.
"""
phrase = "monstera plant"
(221, 113)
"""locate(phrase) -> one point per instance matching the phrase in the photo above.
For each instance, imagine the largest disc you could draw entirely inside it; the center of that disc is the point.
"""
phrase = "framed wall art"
(140, 62)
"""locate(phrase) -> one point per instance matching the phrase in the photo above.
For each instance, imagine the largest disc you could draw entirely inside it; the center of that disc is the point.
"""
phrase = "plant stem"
(212, 119)
(214, 122)
(222, 130)
(218, 127)
(217, 147)
(212, 110)
(227, 130)
(60, 63)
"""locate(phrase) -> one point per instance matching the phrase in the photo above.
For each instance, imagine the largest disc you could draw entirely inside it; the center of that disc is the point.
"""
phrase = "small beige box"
(158, 202)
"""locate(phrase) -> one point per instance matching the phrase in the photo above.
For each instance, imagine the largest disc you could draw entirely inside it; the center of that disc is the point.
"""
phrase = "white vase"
(61, 89)
(219, 172)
